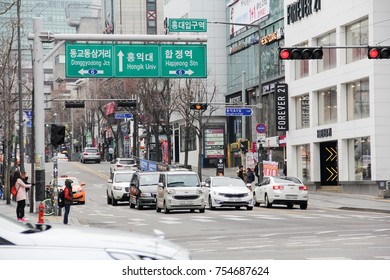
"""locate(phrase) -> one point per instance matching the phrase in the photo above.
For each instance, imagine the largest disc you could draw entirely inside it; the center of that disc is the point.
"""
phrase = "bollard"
(41, 213)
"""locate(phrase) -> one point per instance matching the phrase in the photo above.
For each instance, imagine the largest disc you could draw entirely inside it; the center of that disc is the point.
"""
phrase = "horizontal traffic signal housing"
(378, 52)
(127, 103)
(300, 53)
(198, 106)
(244, 146)
(74, 104)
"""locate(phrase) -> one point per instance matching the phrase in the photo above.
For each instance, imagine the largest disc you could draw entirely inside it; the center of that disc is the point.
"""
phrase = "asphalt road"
(278, 233)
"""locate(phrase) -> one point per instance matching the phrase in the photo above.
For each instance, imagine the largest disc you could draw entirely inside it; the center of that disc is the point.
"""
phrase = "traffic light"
(300, 53)
(378, 52)
(127, 103)
(198, 106)
(74, 104)
(57, 135)
(244, 145)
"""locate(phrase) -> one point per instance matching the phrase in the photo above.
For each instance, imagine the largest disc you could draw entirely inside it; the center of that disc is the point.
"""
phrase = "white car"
(224, 191)
(25, 241)
(118, 187)
(123, 164)
(180, 190)
(285, 190)
(90, 154)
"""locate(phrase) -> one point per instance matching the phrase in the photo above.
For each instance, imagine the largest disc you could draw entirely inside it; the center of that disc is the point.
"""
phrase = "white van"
(180, 190)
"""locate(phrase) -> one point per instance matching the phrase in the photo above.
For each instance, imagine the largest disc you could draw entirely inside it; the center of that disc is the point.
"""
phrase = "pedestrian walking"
(24, 177)
(241, 173)
(21, 196)
(257, 172)
(111, 153)
(68, 199)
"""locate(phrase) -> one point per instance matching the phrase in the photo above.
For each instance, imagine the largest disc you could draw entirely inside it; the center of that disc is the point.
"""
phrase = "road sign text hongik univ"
(136, 61)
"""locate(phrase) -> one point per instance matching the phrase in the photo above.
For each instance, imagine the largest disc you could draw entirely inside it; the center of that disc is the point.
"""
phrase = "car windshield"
(183, 180)
(287, 180)
(127, 161)
(228, 182)
(149, 179)
(123, 177)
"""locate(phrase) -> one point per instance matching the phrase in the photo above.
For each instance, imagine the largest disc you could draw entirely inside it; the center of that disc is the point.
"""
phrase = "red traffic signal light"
(300, 53)
(198, 106)
(378, 53)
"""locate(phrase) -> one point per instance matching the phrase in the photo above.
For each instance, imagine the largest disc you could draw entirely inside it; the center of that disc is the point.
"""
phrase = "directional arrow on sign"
(181, 72)
(120, 55)
(90, 72)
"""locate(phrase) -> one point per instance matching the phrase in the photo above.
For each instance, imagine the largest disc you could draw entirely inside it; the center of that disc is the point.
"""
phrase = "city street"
(320, 232)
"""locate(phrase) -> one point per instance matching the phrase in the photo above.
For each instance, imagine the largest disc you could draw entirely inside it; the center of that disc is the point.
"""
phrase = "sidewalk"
(9, 210)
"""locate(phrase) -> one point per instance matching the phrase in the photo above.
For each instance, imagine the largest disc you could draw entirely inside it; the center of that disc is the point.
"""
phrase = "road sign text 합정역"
(183, 61)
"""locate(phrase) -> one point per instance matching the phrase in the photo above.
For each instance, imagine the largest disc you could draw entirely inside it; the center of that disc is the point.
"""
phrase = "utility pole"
(20, 91)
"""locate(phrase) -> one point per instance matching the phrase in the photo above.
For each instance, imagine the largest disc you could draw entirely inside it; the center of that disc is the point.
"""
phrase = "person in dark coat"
(241, 173)
(68, 199)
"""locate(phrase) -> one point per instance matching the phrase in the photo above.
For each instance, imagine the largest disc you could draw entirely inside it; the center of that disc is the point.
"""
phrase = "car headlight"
(146, 194)
(171, 191)
(117, 188)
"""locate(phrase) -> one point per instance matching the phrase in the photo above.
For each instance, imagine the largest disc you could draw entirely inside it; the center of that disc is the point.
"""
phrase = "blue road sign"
(119, 116)
(238, 112)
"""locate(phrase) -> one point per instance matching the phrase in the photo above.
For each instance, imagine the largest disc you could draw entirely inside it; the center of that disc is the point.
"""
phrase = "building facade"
(252, 48)
(339, 117)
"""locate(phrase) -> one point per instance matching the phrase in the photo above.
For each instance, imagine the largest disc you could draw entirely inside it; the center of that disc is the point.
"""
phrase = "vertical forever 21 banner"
(281, 104)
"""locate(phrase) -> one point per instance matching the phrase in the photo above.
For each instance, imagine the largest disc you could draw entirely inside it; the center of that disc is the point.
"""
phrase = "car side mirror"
(133, 185)
(109, 181)
(161, 185)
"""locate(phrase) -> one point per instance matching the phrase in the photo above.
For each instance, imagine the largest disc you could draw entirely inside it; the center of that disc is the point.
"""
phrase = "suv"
(90, 154)
(180, 190)
(118, 187)
(123, 164)
(143, 189)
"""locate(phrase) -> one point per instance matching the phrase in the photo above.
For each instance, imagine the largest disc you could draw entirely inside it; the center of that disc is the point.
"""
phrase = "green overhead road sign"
(187, 25)
(139, 61)
(183, 61)
(136, 61)
(89, 60)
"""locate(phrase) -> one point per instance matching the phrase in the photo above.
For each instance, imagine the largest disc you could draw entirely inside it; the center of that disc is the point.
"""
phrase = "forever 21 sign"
(281, 102)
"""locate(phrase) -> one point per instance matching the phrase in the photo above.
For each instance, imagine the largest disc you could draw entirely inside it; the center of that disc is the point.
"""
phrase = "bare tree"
(191, 90)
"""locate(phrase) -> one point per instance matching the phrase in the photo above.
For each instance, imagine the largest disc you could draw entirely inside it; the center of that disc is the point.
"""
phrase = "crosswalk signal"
(57, 135)
(244, 145)
(198, 106)
(300, 53)
(378, 52)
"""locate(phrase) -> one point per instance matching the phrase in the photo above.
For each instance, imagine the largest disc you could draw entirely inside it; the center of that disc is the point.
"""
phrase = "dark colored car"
(143, 189)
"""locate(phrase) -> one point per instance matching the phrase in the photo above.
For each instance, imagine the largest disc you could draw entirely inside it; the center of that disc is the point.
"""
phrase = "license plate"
(234, 200)
(186, 202)
(291, 196)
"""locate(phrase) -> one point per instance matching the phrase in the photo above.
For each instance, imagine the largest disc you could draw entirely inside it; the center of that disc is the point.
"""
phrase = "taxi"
(77, 188)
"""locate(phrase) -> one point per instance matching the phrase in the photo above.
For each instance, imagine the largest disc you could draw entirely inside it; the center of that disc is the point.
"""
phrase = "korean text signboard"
(136, 61)
(187, 25)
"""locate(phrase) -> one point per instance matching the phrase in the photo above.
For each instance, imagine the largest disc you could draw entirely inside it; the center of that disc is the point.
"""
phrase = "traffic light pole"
(243, 118)
(57, 210)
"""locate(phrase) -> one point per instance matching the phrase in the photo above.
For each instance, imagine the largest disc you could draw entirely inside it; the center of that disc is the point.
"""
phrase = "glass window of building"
(329, 59)
(361, 151)
(304, 162)
(327, 106)
(301, 66)
(357, 35)
(358, 100)
(191, 140)
(303, 111)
